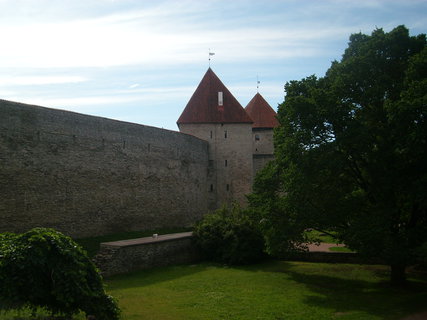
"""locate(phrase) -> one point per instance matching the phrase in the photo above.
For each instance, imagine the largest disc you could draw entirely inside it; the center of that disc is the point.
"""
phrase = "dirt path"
(417, 316)
(322, 247)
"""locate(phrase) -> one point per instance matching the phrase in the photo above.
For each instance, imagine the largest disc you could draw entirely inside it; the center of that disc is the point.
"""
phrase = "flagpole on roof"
(210, 54)
(257, 84)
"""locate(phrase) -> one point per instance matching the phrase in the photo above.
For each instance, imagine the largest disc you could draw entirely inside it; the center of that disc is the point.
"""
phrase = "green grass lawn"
(318, 236)
(272, 290)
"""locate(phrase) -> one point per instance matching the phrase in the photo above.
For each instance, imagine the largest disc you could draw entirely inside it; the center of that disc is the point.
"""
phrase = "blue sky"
(140, 61)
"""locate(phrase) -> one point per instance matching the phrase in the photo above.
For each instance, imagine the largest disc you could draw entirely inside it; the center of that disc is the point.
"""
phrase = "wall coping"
(147, 240)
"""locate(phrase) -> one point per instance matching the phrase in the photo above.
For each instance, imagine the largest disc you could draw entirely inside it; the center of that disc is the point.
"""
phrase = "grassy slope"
(273, 290)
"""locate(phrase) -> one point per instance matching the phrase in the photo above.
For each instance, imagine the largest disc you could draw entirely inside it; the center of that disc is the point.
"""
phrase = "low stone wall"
(145, 253)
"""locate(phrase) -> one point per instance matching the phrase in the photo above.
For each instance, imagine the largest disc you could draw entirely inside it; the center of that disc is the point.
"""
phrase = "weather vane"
(210, 54)
(257, 84)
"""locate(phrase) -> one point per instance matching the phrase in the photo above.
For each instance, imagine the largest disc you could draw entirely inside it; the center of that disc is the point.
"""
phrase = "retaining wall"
(144, 253)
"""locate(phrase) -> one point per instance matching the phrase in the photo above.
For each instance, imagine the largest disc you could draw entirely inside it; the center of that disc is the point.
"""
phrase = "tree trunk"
(398, 276)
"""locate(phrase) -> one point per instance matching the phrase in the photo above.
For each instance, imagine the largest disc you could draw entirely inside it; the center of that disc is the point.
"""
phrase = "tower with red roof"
(264, 122)
(213, 114)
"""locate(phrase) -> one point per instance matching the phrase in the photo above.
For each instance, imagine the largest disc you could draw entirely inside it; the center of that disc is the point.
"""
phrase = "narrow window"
(228, 187)
(220, 100)
(225, 134)
(211, 134)
(257, 137)
(225, 163)
(211, 188)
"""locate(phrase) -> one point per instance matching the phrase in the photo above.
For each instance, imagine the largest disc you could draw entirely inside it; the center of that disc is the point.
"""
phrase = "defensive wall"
(87, 176)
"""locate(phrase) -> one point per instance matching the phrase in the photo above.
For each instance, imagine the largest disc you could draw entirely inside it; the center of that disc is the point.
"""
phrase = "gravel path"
(322, 247)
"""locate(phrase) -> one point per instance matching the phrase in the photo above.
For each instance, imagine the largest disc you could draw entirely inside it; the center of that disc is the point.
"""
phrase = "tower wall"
(230, 160)
(262, 148)
(263, 142)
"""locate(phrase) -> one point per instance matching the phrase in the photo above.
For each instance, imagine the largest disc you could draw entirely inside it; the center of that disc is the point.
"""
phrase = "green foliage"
(229, 236)
(421, 254)
(42, 268)
(351, 153)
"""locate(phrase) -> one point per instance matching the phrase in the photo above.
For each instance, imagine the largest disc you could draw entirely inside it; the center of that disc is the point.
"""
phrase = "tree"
(351, 153)
(42, 268)
(229, 236)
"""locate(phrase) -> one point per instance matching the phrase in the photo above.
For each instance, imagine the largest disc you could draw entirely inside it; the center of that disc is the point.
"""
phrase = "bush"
(45, 269)
(421, 255)
(229, 236)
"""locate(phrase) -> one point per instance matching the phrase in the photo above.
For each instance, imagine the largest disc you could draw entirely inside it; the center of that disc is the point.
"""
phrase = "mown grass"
(340, 249)
(272, 290)
(317, 236)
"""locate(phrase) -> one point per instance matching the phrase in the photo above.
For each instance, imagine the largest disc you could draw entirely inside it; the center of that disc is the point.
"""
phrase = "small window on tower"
(211, 134)
(257, 137)
(211, 188)
(226, 163)
(225, 134)
(228, 187)
(220, 100)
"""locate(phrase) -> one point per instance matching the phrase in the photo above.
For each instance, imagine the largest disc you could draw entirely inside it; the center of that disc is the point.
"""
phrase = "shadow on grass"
(378, 299)
(349, 288)
(153, 276)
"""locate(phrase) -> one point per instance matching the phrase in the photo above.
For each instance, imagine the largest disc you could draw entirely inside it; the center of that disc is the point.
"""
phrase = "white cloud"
(157, 35)
(39, 80)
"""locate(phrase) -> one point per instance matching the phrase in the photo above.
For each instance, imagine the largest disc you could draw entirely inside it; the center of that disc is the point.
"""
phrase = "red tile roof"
(203, 106)
(261, 113)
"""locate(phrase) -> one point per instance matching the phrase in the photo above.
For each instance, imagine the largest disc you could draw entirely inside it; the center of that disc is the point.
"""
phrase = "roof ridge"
(261, 112)
(212, 102)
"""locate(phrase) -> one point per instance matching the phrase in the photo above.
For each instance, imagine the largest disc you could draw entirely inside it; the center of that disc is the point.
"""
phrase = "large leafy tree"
(351, 153)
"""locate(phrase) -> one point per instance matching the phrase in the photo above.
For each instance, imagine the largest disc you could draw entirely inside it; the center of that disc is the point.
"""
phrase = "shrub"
(421, 255)
(229, 236)
(45, 269)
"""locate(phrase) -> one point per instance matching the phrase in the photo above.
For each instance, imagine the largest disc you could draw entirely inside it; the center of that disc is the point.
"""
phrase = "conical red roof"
(204, 106)
(261, 113)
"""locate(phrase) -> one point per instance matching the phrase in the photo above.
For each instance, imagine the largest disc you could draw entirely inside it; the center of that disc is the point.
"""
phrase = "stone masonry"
(88, 176)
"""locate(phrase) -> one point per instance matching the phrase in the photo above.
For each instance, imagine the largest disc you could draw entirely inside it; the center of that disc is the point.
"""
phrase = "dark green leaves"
(45, 269)
(351, 151)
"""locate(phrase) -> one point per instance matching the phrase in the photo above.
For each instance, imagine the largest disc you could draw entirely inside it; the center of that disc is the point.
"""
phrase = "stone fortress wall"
(88, 176)
(230, 160)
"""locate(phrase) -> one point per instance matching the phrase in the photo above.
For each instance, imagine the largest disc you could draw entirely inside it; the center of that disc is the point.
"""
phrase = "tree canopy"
(351, 153)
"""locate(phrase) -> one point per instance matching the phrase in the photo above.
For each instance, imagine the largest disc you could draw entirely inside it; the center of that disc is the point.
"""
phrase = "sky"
(140, 61)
